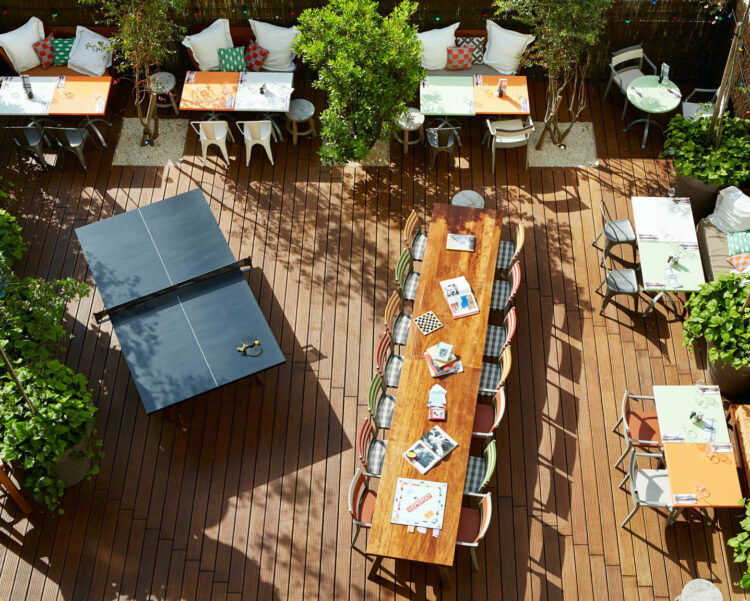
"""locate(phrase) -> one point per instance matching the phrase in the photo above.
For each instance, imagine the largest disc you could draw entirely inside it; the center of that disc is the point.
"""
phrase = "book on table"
(441, 363)
(462, 242)
(430, 449)
(459, 296)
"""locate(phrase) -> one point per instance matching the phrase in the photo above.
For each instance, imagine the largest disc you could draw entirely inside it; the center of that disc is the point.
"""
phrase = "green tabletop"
(674, 405)
(654, 259)
(654, 97)
(447, 95)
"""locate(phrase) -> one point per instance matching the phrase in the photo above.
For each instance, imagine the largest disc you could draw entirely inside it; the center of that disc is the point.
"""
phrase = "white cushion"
(278, 41)
(732, 213)
(90, 53)
(19, 44)
(504, 48)
(205, 45)
(435, 44)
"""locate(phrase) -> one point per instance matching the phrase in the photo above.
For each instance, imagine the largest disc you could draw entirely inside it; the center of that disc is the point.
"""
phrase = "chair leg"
(597, 239)
(617, 425)
(223, 148)
(527, 157)
(204, 150)
(625, 454)
(356, 533)
(624, 108)
(609, 85)
(312, 127)
(630, 515)
(474, 562)
(607, 299)
(81, 158)
(267, 146)
(493, 158)
(623, 481)
(433, 157)
(248, 152)
(606, 251)
(453, 159)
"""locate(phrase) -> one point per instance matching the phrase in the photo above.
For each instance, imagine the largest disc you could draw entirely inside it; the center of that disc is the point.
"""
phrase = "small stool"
(411, 120)
(468, 198)
(162, 84)
(700, 590)
(300, 111)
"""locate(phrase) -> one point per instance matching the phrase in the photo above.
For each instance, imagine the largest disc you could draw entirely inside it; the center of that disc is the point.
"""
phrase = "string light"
(54, 13)
(627, 19)
(244, 10)
(197, 12)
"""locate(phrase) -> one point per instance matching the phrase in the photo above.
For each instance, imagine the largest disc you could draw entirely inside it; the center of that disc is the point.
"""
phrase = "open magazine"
(431, 447)
(460, 298)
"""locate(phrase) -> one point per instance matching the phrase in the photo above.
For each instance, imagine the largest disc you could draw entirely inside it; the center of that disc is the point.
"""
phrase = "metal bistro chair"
(498, 338)
(442, 139)
(699, 110)
(649, 487)
(639, 428)
(370, 448)
(414, 239)
(623, 71)
(379, 404)
(494, 375)
(213, 132)
(30, 139)
(387, 363)
(480, 469)
(619, 281)
(406, 278)
(473, 525)
(487, 418)
(615, 231)
(504, 291)
(509, 133)
(73, 140)
(509, 251)
(257, 132)
(397, 323)
(361, 502)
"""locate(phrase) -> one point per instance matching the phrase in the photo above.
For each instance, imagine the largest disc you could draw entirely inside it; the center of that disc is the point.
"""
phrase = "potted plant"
(720, 315)
(740, 545)
(702, 165)
(368, 65)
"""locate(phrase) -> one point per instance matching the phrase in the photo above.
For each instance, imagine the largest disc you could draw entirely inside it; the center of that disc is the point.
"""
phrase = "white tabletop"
(277, 92)
(13, 99)
(664, 219)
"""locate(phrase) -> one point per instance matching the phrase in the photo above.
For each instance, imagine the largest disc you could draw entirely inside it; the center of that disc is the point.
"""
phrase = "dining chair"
(361, 502)
(623, 69)
(414, 239)
(29, 139)
(370, 448)
(648, 487)
(615, 231)
(509, 133)
(257, 132)
(480, 469)
(504, 291)
(379, 403)
(699, 110)
(213, 132)
(498, 338)
(387, 363)
(442, 139)
(639, 428)
(487, 418)
(406, 278)
(509, 251)
(73, 140)
(473, 525)
(397, 323)
(494, 375)
(619, 281)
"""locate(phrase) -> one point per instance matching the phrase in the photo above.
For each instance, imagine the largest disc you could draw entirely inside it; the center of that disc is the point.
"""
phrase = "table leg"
(675, 514)
(374, 568)
(651, 305)
(275, 126)
(445, 577)
(406, 141)
(645, 131)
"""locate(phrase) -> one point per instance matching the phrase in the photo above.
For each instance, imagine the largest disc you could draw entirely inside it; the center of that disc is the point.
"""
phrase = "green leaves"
(740, 545)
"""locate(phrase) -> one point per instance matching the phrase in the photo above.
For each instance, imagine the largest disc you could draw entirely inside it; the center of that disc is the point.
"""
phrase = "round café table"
(653, 98)
(700, 590)
(468, 198)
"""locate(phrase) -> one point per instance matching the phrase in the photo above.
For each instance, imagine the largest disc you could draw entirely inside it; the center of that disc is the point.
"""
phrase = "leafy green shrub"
(12, 245)
(740, 545)
(687, 142)
(36, 437)
(717, 315)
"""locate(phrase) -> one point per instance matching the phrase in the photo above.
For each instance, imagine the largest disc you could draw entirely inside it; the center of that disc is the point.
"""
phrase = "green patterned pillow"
(61, 47)
(232, 59)
(738, 243)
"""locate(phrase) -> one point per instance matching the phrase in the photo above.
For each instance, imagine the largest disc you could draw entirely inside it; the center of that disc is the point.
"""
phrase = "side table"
(162, 84)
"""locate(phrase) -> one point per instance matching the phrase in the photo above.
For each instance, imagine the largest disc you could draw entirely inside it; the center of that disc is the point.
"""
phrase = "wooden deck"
(244, 497)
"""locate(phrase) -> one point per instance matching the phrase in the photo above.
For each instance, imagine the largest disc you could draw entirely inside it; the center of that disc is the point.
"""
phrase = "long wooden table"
(410, 414)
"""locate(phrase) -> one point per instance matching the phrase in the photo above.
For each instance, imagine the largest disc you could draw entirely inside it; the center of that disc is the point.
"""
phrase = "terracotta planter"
(702, 196)
(731, 382)
(72, 470)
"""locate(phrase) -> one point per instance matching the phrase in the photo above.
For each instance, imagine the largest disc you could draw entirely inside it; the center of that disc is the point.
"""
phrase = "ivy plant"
(368, 65)
(740, 545)
(695, 155)
(719, 315)
(12, 245)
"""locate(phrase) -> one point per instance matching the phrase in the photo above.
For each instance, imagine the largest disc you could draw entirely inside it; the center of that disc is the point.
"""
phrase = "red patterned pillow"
(254, 56)
(459, 57)
(741, 262)
(45, 51)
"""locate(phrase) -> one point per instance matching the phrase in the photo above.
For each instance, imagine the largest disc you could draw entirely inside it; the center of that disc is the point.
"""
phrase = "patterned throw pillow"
(458, 58)
(738, 243)
(232, 59)
(62, 48)
(45, 50)
(477, 47)
(741, 262)
(254, 56)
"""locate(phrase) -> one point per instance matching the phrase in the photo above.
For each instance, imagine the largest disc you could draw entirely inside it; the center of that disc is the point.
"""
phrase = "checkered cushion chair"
(379, 404)
(480, 469)
(494, 375)
(504, 291)
(397, 323)
(406, 278)
(498, 337)
(473, 525)
(370, 448)
(509, 252)
(387, 363)
(414, 239)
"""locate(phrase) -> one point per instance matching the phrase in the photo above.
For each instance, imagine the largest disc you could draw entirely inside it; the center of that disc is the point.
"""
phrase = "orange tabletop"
(209, 91)
(81, 95)
(486, 103)
(410, 414)
(694, 469)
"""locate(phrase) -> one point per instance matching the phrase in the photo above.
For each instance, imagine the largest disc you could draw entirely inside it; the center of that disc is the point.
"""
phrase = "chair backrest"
(506, 361)
(403, 268)
(61, 135)
(26, 136)
(383, 352)
(411, 228)
(357, 489)
(510, 326)
(500, 132)
(367, 434)
(485, 515)
(392, 311)
(210, 130)
(515, 280)
(255, 130)
(490, 462)
(624, 55)
(519, 239)
(374, 392)
(498, 403)
(442, 137)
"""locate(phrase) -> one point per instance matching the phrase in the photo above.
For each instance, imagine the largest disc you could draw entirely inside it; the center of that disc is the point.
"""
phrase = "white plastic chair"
(509, 133)
(213, 132)
(257, 132)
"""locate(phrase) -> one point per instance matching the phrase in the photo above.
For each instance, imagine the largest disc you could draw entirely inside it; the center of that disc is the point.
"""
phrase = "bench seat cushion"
(714, 250)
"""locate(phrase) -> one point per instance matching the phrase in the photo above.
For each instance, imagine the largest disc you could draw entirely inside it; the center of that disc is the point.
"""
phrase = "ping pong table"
(177, 299)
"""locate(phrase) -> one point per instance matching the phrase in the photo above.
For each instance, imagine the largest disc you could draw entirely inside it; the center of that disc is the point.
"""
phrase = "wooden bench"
(61, 31)
(741, 422)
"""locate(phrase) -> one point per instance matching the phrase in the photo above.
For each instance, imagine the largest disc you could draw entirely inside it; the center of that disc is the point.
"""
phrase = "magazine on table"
(431, 448)
(462, 242)
(460, 298)
(441, 361)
